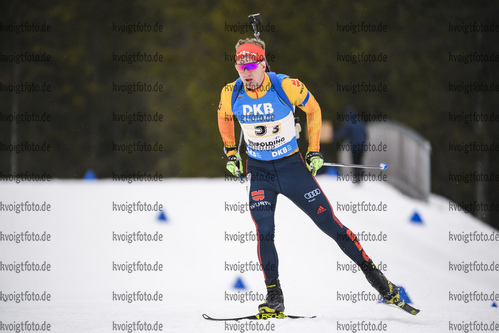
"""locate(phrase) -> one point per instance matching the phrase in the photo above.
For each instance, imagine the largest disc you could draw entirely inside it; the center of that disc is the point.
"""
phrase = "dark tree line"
(433, 53)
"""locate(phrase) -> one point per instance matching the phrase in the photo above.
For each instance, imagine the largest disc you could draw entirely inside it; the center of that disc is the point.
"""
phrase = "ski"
(403, 306)
(258, 316)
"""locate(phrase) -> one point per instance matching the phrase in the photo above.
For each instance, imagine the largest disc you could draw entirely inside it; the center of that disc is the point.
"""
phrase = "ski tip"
(383, 166)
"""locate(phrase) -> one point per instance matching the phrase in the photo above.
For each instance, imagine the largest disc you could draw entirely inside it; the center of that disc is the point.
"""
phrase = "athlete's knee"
(348, 235)
(266, 233)
(266, 228)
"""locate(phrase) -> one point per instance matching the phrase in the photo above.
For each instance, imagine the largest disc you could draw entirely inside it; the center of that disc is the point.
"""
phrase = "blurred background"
(439, 57)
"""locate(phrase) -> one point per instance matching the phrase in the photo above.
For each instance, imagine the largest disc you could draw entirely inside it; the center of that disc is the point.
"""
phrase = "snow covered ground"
(205, 261)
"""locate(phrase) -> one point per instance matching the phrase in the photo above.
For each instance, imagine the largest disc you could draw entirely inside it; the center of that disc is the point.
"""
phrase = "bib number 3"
(262, 130)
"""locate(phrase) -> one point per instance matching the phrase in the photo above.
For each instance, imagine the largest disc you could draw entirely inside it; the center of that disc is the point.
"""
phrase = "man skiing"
(260, 102)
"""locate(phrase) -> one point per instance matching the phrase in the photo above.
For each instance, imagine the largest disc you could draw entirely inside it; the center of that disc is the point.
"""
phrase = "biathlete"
(275, 166)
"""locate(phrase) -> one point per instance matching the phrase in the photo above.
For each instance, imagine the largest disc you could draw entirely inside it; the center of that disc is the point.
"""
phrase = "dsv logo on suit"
(312, 194)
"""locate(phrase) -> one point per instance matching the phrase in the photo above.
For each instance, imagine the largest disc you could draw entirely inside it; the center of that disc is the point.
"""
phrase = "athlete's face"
(252, 79)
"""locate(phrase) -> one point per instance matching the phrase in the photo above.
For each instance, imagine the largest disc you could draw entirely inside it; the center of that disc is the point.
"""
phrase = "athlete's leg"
(300, 186)
(263, 191)
(302, 189)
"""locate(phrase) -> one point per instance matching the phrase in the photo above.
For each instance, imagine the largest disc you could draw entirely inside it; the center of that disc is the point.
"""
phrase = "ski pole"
(382, 166)
(241, 180)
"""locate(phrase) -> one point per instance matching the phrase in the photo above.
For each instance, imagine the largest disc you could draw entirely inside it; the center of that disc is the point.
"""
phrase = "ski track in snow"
(197, 249)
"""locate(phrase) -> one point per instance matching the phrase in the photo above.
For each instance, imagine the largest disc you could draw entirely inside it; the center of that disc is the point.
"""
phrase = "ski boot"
(377, 279)
(388, 290)
(274, 302)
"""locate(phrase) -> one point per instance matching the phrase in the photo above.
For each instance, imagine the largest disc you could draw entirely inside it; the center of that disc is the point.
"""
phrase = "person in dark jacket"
(353, 130)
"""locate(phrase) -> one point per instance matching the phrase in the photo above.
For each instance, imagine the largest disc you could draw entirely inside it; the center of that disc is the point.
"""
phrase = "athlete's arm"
(226, 120)
(299, 95)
